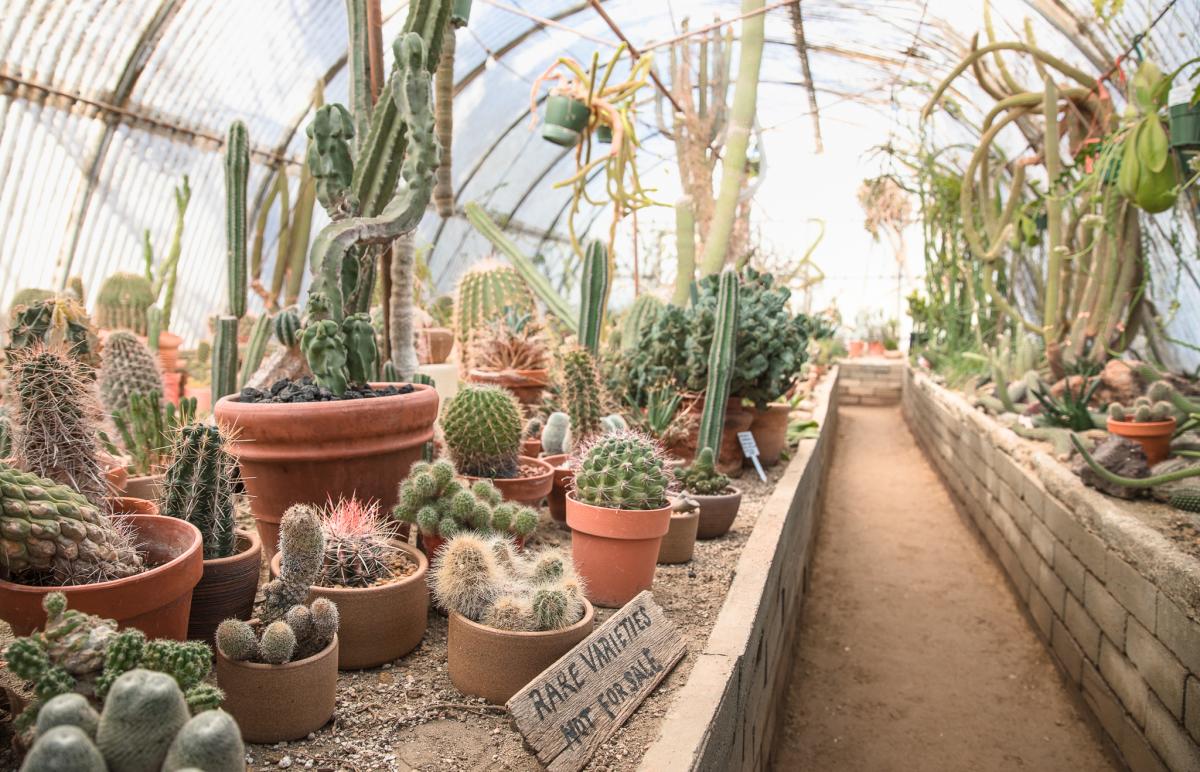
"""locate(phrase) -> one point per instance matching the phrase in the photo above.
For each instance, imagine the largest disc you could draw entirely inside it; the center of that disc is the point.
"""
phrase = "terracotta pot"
(172, 387)
(528, 490)
(563, 475)
(203, 396)
(1153, 436)
(156, 601)
(310, 452)
(434, 344)
(527, 385)
(117, 476)
(615, 550)
(531, 446)
(679, 543)
(168, 351)
(144, 486)
(131, 505)
(769, 428)
(227, 588)
(717, 513)
(276, 703)
(875, 348)
(737, 419)
(378, 624)
(496, 664)
(857, 348)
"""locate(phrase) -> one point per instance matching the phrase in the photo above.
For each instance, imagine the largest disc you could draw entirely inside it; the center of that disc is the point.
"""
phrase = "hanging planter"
(460, 13)
(604, 134)
(566, 118)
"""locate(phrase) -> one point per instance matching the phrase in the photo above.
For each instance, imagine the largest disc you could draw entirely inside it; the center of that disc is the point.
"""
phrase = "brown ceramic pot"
(172, 387)
(717, 513)
(737, 419)
(527, 385)
(277, 703)
(227, 588)
(434, 345)
(168, 352)
(131, 505)
(156, 601)
(496, 664)
(615, 550)
(529, 489)
(308, 453)
(563, 475)
(378, 624)
(769, 428)
(680, 542)
(144, 486)
(1153, 436)
(531, 446)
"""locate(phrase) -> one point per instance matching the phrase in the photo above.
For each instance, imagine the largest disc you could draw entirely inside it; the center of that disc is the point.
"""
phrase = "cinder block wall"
(1115, 601)
(874, 381)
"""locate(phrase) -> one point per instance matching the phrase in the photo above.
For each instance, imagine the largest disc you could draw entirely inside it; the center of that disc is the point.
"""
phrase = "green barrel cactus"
(198, 486)
(127, 367)
(484, 293)
(622, 470)
(123, 301)
(482, 427)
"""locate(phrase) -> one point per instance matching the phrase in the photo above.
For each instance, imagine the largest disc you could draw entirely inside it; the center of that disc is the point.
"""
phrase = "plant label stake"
(750, 451)
(573, 706)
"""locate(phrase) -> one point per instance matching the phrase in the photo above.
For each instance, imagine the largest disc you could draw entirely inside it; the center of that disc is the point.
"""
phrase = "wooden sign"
(750, 451)
(577, 703)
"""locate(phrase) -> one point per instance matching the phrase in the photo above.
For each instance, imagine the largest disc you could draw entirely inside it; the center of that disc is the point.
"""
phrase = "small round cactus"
(278, 644)
(64, 749)
(68, 710)
(510, 612)
(210, 740)
(482, 426)
(622, 470)
(127, 367)
(466, 577)
(142, 714)
(554, 434)
(237, 641)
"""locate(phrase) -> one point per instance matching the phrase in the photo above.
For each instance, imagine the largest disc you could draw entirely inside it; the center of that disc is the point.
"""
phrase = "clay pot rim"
(733, 491)
(695, 513)
(657, 510)
(525, 378)
(497, 481)
(248, 536)
(251, 408)
(261, 667)
(151, 507)
(589, 613)
(380, 589)
(151, 476)
(1142, 428)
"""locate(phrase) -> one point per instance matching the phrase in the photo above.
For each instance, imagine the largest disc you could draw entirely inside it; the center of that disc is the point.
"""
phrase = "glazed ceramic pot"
(615, 550)
(277, 703)
(680, 542)
(144, 486)
(528, 386)
(156, 601)
(1153, 436)
(769, 428)
(496, 664)
(535, 484)
(131, 505)
(563, 475)
(717, 512)
(227, 588)
(378, 624)
(310, 452)
(566, 117)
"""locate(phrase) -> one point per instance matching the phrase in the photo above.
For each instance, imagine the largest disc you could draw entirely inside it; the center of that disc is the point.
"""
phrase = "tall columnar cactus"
(163, 284)
(302, 547)
(482, 427)
(685, 251)
(440, 505)
(593, 296)
(225, 340)
(255, 349)
(720, 362)
(581, 382)
(443, 191)
(198, 487)
(301, 632)
(55, 321)
(622, 470)
(123, 301)
(484, 293)
(127, 368)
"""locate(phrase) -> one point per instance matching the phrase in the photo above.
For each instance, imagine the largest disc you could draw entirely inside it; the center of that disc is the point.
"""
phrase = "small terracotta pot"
(857, 348)
(117, 476)
(680, 542)
(227, 588)
(308, 453)
(434, 344)
(203, 396)
(378, 624)
(563, 475)
(737, 419)
(277, 703)
(615, 550)
(1153, 436)
(496, 664)
(168, 352)
(144, 486)
(769, 428)
(156, 601)
(717, 513)
(131, 505)
(531, 446)
(875, 348)
(528, 490)
(527, 385)
(172, 386)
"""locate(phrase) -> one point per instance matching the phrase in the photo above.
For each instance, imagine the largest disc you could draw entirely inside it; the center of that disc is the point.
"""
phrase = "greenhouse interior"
(598, 384)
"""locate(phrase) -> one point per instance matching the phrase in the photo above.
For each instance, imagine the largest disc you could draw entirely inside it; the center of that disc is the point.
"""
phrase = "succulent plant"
(55, 320)
(440, 505)
(1142, 411)
(1187, 499)
(122, 302)
(593, 295)
(701, 476)
(555, 434)
(514, 341)
(581, 384)
(720, 362)
(482, 427)
(148, 428)
(356, 544)
(302, 550)
(302, 632)
(27, 296)
(198, 486)
(287, 327)
(486, 292)
(210, 740)
(127, 367)
(622, 470)
(638, 320)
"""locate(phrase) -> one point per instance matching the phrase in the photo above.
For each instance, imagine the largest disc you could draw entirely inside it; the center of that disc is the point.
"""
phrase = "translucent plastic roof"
(106, 104)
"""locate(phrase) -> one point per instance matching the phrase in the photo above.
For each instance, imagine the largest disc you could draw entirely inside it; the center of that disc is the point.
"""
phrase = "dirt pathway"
(913, 653)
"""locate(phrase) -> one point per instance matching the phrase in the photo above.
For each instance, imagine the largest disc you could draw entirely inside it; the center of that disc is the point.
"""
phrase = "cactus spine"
(198, 487)
(720, 362)
(593, 296)
(685, 250)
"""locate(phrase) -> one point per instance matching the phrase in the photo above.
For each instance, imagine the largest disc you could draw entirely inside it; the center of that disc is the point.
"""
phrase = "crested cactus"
(593, 296)
(622, 470)
(484, 293)
(440, 505)
(701, 476)
(127, 367)
(302, 632)
(198, 487)
(123, 301)
(482, 427)
(54, 321)
(302, 546)
(720, 362)
(554, 434)
(581, 382)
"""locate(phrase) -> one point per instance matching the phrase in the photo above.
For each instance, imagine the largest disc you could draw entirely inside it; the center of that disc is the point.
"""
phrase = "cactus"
(56, 321)
(287, 327)
(484, 293)
(443, 190)
(1163, 391)
(123, 301)
(438, 504)
(302, 632)
(638, 320)
(127, 366)
(302, 546)
(622, 470)
(148, 429)
(27, 296)
(512, 342)
(466, 577)
(278, 643)
(70, 709)
(1143, 411)
(701, 476)
(554, 434)
(198, 487)
(163, 285)
(255, 349)
(142, 714)
(225, 357)
(614, 422)
(685, 251)
(720, 362)
(237, 170)
(482, 427)
(593, 296)
(210, 740)
(581, 381)
(356, 544)
(64, 749)
(1187, 499)
(1131, 482)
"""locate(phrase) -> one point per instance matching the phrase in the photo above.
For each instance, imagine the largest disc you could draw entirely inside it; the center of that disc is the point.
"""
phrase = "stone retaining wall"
(1116, 602)
(724, 717)
(870, 381)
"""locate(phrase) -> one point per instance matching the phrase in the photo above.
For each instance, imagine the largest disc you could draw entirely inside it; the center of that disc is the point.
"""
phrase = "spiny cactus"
(440, 505)
(1187, 499)
(512, 342)
(622, 470)
(127, 367)
(720, 362)
(71, 709)
(593, 289)
(1161, 391)
(210, 740)
(287, 327)
(581, 382)
(142, 714)
(302, 632)
(485, 292)
(122, 302)
(701, 476)
(148, 429)
(1142, 411)
(27, 296)
(302, 546)
(198, 486)
(482, 426)
(64, 749)
(55, 321)
(356, 544)
(554, 434)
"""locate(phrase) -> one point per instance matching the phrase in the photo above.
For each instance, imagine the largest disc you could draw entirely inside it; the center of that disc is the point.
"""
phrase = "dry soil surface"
(913, 653)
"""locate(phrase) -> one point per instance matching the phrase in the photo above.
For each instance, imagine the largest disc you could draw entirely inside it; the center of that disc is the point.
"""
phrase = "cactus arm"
(403, 346)
(685, 249)
(298, 241)
(1132, 482)
(255, 349)
(168, 272)
(225, 357)
(1054, 224)
(237, 169)
(593, 294)
(260, 231)
(720, 363)
(362, 99)
(328, 158)
(443, 192)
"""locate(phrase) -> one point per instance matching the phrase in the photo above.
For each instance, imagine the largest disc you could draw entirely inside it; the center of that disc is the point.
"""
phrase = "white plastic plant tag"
(750, 451)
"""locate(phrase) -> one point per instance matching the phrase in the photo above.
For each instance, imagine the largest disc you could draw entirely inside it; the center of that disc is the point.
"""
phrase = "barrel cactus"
(127, 367)
(482, 426)
(485, 292)
(123, 301)
(622, 470)
(198, 486)
(356, 544)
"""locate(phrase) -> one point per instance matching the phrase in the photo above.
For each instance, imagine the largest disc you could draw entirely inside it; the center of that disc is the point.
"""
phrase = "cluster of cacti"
(622, 470)
(487, 581)
(148, 428)
(144, 727)
(440, 505)
(357, 548)
(482, 428)
(581, 382)
(287, 327)
(1142, 411)
(198, 486)
(556, 434)
(486, 292)
(122, 302)
(721, 354)
(127, 366)
(593, 295)
(56, 320)
(302, 550)
(299, 633)
(55, 417)
(514, 341)
(701, 476)
(1163, 391)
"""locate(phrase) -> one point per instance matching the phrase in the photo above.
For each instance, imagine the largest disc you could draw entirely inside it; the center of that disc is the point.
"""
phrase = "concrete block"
(1032, 493)
(1103, 702)
(1136, 751)
(1052, 587)
(1168, 737)
(1039, 609)
(1043, 540)
(1124, 679)
(1160, 668)
(1029, 556)
(1135, 592)
(1091, 551)
(1105, 609)
(1085, 631)
(1070, 570)
(1191, 707)
(1066, 650)
(1179, 633)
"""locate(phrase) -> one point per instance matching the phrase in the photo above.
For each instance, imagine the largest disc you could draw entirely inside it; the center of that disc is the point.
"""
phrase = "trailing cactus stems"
(593, 295)
(720, 362)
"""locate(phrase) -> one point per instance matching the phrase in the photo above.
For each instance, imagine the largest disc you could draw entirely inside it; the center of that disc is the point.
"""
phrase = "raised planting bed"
(1112, 586)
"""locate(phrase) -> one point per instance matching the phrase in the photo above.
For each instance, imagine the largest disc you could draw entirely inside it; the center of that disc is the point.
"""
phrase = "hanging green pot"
(460, 13)
(1185, 133)
(604, 133)
(566, 117)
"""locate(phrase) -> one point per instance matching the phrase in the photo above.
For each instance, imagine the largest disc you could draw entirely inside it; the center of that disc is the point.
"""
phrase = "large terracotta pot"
(496, 664)
(131, 505)
(528, 490)
(563, 475)
(227, 588)
(144, 486)
(378, 624)
(156, 601)
(168, 351)
(615, 550)
(310, 452)
(769, 428)
(434, 344)
(527, 385)
(680, 542)
(717, 512)
(737, 419)
(277, 703)
(1153, 436)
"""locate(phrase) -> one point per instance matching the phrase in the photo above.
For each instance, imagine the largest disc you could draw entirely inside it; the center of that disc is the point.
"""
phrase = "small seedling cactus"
(622, 470)
(302, 549)
(482, 427)
(1142, 411)
(440, 505)
(127, 367)
(198, 486)
(302, 632)
(701, 476)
